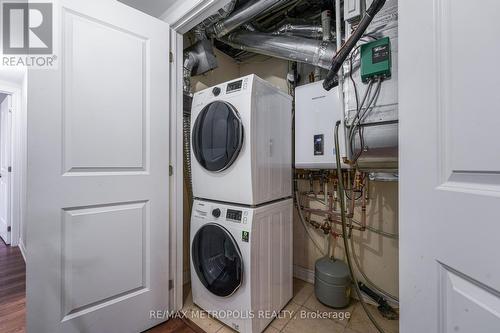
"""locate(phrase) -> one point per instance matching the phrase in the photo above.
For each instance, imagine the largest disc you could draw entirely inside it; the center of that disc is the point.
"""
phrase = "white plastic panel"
(105, 107)
(272, 161)
(316, 112)
(105, 246)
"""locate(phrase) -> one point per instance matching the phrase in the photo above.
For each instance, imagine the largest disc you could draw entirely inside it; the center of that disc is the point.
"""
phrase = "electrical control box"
(316, 112)
(380, 149)
(376, 59)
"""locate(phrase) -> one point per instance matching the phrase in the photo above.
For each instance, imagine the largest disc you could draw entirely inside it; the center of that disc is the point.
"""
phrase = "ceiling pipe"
(241, 16)
(200, 29)
(310, 51)
(299, 30)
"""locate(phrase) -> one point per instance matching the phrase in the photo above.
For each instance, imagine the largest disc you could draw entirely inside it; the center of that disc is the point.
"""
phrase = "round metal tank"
(332, 283)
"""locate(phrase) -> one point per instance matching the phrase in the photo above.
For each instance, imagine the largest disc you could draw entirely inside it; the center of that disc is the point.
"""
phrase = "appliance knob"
(216, 91)
(216, 213)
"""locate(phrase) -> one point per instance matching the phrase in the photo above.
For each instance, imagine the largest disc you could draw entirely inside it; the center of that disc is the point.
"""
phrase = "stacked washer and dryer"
(241, 223)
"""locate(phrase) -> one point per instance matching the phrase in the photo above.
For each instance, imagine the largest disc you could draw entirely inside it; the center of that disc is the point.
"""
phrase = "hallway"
(12, 290)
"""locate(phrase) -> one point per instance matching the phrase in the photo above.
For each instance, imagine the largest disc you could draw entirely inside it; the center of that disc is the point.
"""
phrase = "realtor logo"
(27, 28)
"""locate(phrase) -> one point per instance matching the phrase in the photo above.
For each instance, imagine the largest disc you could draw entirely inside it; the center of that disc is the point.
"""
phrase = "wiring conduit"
(344, 234)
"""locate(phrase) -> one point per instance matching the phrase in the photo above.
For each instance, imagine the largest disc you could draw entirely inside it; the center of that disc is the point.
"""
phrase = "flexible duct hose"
(186, 131)
(344, 233)
(332, 78)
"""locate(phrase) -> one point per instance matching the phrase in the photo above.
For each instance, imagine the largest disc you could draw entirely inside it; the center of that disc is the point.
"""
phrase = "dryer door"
(217, 136)
(217, 260)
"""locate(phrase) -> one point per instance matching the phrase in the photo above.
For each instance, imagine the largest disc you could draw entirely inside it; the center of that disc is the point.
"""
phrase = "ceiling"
(12, 75)
(154, 8)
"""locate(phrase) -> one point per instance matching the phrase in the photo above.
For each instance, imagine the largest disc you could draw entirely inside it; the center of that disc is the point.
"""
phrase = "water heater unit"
(316, 112)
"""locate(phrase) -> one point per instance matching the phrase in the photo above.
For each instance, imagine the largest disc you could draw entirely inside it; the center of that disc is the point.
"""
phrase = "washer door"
(217, 260)
(217, 136)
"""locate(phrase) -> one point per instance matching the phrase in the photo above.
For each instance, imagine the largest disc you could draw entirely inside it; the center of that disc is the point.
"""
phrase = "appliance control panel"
(234, 215)
(219, 213)
(229, 89)
(234, 86)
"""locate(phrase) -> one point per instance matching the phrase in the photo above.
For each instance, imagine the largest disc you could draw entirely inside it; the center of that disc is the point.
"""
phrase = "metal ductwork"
(198, 59)
(241, 16)
(314, 52)
(200, 29)
(299, 30)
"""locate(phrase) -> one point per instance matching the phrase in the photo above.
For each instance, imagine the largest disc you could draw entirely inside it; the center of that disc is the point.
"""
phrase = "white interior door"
(450, 166)
(5, 160)
(98, 173)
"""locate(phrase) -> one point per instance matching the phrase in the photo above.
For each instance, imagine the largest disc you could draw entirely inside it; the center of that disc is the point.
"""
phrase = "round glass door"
(217, 136)
(217, 260)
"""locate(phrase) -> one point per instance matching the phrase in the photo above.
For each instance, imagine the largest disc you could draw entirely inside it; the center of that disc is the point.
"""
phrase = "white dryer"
(241, 142)
(241, 262)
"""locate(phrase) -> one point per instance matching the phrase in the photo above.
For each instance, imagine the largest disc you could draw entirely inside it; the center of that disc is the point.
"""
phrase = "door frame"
(183, 18)
(18, 160)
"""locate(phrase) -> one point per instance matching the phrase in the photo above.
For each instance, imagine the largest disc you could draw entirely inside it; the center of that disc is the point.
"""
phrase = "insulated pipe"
(309, 51)
(241, 16)
(200, 29)
(326, 19)
(299, 30)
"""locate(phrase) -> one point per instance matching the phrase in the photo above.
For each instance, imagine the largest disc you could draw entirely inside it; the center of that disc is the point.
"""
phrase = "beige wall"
(270, 69)
(378, 255)
(228, 69)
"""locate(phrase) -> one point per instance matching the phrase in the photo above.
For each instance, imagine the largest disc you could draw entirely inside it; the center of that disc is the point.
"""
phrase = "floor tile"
(341, 316)
(202, 320)
(360, 322)
(271, 329)
(226, 329)
(306, 321)
(301, 291)
(285, 316)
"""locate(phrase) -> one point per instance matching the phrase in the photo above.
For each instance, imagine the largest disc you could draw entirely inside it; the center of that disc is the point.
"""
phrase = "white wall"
(15, 80)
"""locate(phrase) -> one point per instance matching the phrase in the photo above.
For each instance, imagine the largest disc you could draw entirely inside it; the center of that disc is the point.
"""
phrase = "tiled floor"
(304, 308)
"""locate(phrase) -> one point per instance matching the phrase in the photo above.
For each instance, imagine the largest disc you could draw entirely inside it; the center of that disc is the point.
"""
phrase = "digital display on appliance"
(234, 86)
(234, 215)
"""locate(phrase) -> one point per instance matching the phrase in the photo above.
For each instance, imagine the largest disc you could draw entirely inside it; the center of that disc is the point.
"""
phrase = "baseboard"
(307, 275)
(303, 274)
(22, 248)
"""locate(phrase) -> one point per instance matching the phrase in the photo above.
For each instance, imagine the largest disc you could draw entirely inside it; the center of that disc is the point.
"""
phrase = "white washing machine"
(241, 142)
(241, 262)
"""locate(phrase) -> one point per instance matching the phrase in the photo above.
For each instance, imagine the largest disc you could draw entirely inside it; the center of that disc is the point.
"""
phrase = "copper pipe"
(326, 213)
(363, 208)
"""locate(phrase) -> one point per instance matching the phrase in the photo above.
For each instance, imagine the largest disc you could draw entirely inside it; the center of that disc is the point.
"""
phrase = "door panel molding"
(464, 302)
(90, 145)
